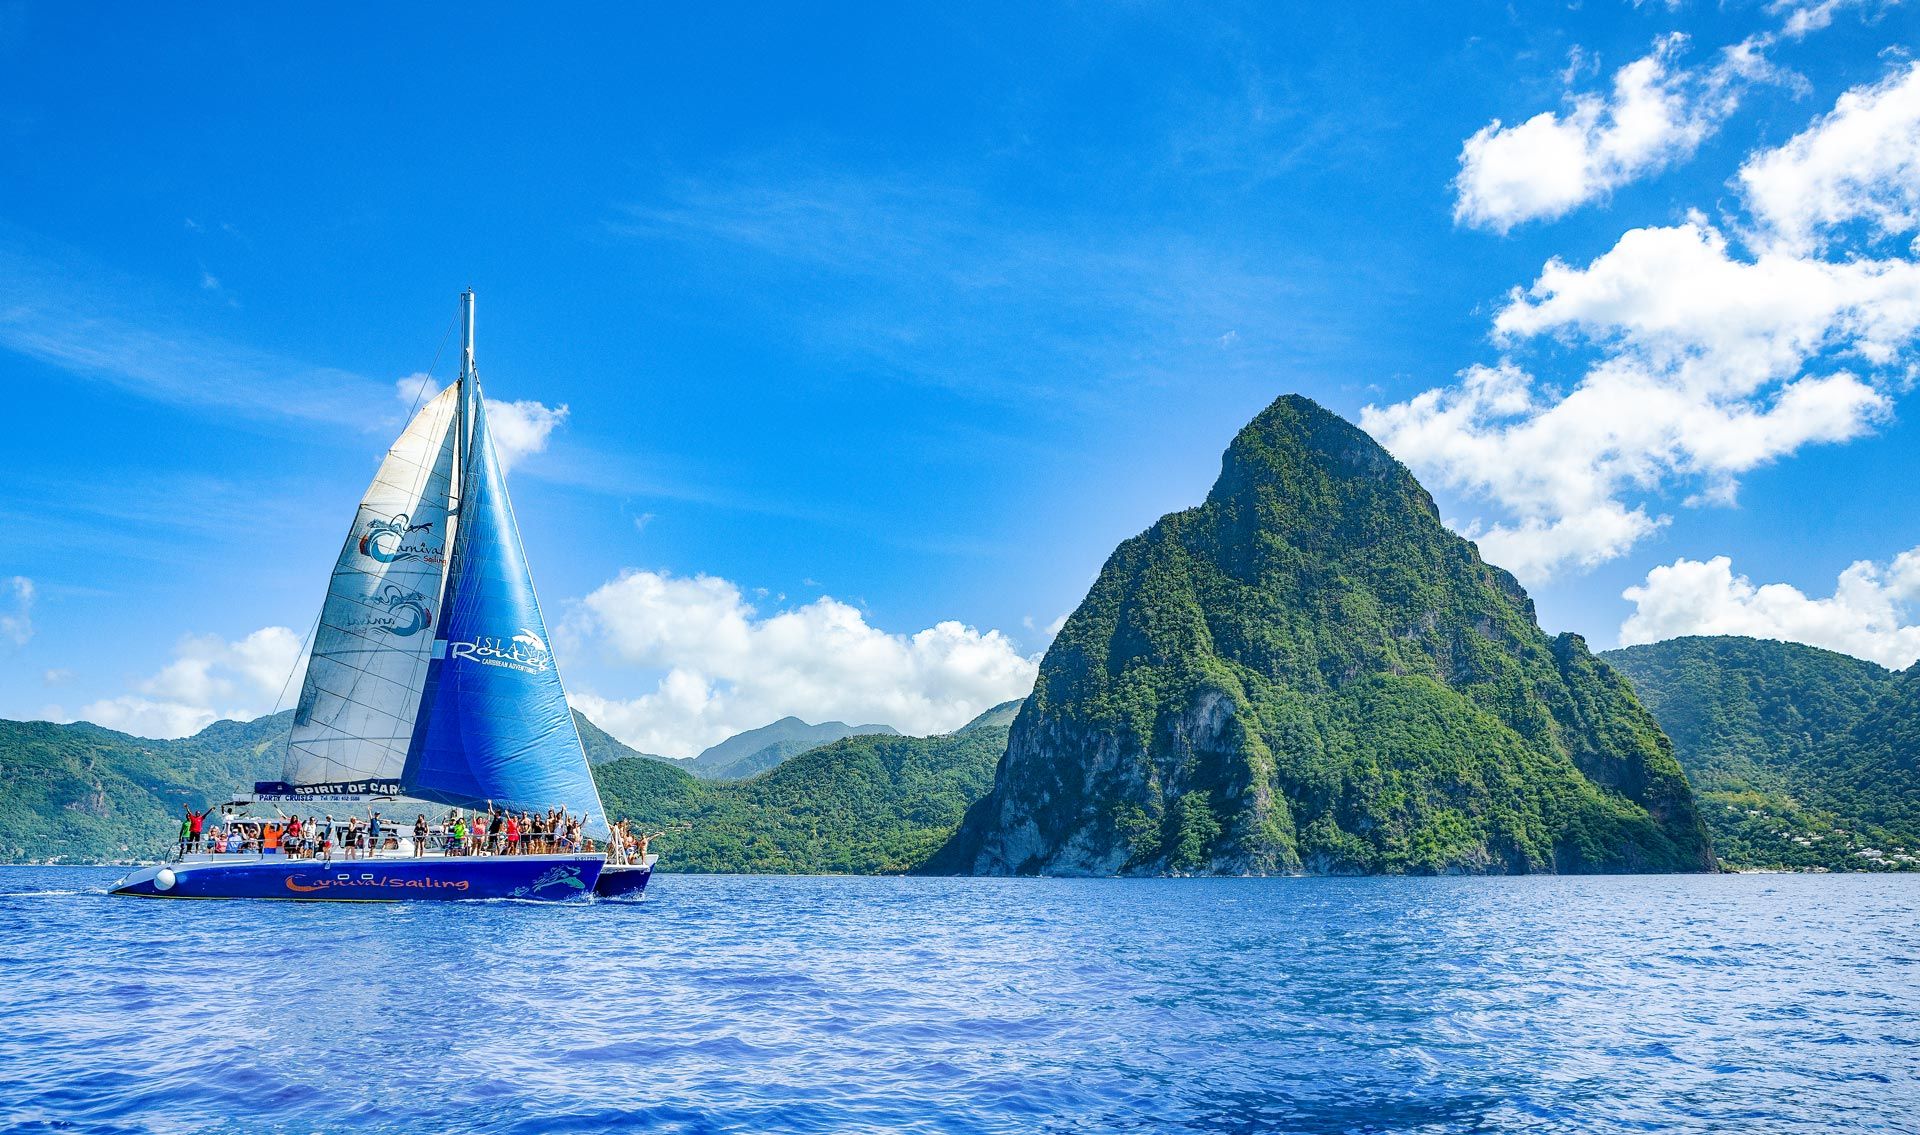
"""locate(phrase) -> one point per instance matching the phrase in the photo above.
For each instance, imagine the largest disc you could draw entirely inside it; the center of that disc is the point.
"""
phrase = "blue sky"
(877, 329)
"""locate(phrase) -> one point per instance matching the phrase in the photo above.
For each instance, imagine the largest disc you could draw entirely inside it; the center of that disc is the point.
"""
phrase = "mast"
(462, 455)
(463, 423)
(466, 312)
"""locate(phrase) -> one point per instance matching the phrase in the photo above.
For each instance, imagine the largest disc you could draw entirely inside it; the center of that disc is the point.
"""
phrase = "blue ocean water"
(753, 1004)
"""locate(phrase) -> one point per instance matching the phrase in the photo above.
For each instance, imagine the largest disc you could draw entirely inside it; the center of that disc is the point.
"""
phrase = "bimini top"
(430, 674)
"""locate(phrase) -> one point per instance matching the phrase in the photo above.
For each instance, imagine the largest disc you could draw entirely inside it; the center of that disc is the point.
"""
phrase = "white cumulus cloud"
(1701, 359)
(1656, 113)
(729, 667)
(1859, 163)
(1869, 615)
(209, 678)
(520, 429)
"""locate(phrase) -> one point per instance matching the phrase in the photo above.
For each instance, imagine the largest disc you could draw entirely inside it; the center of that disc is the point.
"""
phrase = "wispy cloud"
(85, 325)
(16, 619)
(96, 326)
(161, 518)
(935, 283)
(1804, 17)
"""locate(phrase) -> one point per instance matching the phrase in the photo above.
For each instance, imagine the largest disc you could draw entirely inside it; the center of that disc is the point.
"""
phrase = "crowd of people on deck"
(494, 831)
(500, 832)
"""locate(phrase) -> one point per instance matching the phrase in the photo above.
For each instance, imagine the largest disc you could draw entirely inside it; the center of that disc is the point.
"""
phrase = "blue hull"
(540, 877)
(623, 881)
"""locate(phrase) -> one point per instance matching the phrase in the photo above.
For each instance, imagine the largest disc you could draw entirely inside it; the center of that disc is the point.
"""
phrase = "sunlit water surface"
(1748, 1003)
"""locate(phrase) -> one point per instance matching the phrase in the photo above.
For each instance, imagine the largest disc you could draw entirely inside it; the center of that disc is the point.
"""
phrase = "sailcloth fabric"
(494, 725)
(354, 719)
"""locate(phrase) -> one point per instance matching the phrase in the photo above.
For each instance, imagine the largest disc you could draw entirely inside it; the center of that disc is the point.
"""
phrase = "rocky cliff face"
(1309, 672)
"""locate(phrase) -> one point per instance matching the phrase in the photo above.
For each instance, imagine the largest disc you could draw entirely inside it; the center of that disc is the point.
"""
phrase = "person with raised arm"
(196, 824)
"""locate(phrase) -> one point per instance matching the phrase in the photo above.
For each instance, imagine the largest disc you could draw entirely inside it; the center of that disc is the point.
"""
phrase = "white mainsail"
(357, 708)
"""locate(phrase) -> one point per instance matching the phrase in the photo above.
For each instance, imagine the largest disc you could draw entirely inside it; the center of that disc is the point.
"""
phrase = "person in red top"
(513, 834)
(196, 822)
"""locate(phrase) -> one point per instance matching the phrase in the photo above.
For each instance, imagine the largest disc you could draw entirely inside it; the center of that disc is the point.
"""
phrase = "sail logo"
(388, 541)
(399, 611)
(562, 876)
(525, 652)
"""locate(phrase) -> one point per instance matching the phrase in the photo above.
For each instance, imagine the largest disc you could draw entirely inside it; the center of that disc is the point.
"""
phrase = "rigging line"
(419, 395)
(282, 697)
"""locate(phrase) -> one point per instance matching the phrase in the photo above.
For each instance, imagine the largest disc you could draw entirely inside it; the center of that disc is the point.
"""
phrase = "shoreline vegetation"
(931, 778)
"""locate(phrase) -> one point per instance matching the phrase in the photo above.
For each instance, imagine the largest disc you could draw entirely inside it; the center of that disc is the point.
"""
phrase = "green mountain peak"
(1309, 671)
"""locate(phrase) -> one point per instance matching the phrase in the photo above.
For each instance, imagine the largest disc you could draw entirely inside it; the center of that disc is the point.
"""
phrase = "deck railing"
(439, 845)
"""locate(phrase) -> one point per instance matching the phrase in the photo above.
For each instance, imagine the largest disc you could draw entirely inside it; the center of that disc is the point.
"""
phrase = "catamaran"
(429, 680)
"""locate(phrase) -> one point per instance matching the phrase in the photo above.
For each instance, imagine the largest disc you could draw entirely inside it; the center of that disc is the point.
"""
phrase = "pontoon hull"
(623, 881)
(436, 878)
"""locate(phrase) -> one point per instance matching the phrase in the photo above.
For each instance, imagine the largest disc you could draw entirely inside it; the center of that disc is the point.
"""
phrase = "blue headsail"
(494, 725)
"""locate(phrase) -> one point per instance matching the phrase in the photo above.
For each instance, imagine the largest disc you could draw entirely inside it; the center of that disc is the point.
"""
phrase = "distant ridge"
(602, 746)
(757, 750)
(868, 804)
(85, 793)
(999, 717)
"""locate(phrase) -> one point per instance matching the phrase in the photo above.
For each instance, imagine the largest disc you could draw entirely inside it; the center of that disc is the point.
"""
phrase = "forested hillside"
(1801, 757)
(865, 804)
(81, 792)
(871, 804)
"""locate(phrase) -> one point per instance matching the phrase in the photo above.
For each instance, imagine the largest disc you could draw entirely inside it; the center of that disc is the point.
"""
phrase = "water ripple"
(1746, 1004)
